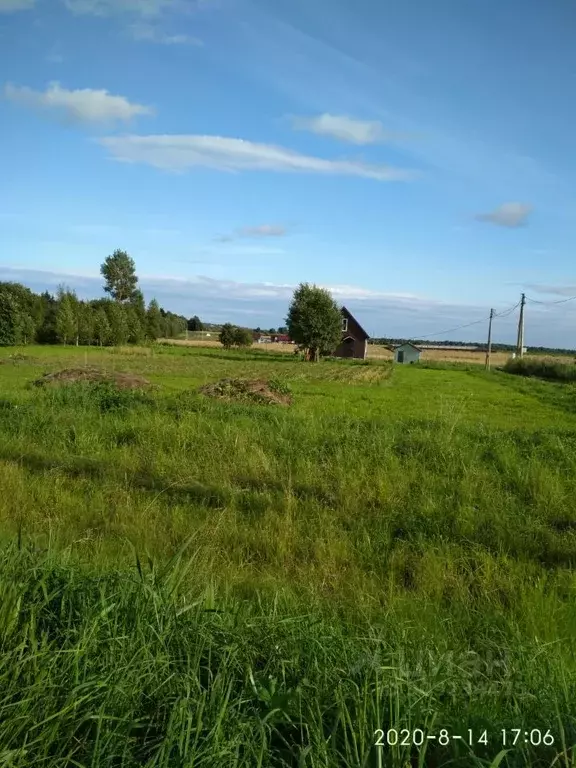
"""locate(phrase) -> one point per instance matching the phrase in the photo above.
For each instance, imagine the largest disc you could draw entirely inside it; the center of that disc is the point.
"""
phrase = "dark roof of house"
(350, 316)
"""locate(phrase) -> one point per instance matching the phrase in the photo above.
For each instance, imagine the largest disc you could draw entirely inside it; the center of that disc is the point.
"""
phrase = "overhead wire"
(550, 303)
(504, 313)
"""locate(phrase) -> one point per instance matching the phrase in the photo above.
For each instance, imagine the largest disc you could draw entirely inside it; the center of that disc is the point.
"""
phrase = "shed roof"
(408, 344)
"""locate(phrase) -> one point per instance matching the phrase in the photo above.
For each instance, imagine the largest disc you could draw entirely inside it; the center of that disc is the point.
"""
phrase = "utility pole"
(489, 347)
(520, 345)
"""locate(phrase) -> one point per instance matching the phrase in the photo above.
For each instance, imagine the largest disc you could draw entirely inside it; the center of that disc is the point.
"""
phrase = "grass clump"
(541, 368)
(274, 392)
(93, 376)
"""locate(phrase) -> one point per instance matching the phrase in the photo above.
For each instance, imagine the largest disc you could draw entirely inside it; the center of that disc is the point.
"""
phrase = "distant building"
(282, 338)
(407, 353)
(354, 338)
(264, 339)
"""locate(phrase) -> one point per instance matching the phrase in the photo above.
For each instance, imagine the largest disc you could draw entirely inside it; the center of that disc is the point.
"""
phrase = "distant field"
(187, 581)
(375, 351)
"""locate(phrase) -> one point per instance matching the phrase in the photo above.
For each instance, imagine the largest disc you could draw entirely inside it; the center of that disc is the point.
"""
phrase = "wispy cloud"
(261, 231)
(148, 33)
(9, 6)
(343, 128)
(53, 57)
(554, 290)
(510, 215)
(81, 105)
(110, 7)
(180, 153)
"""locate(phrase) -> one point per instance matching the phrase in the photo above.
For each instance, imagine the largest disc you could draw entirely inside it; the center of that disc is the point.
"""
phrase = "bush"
(102, 395)
(543, 368)
(243, 337)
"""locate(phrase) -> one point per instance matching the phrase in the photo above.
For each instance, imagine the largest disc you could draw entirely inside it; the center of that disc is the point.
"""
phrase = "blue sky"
(416, 158)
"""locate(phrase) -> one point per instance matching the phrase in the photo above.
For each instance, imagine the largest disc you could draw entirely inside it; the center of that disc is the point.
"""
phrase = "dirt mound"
(248, 391)
(94, 375)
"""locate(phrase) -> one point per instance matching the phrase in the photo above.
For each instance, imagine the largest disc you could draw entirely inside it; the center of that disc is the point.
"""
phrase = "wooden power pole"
(489, 347)
(520, 345)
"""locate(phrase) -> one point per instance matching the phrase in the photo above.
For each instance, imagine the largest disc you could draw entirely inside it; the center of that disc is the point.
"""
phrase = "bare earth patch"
(94, 375)
(247, 391)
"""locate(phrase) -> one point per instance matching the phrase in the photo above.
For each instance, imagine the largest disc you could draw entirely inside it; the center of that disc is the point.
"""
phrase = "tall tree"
(118, 323)
(86, 319)
(101, 326)
(314, 321)
(227, 335)
(10, 317)
(195, 324)
(136, 325)
(46, 333)
(119, 272)
(153, 321)
(27, 329)
(138, 303)
(66, 320)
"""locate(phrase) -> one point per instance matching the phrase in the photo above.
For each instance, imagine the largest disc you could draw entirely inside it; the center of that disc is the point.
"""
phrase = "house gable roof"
(350, 316)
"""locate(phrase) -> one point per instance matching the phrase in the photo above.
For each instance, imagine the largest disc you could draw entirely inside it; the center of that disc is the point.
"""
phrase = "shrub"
(243, 337)
(542, 368)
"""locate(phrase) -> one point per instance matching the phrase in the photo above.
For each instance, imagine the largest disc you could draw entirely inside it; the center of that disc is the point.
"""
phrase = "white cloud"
(343, 128)
(8, 6)
(82, 105)
(110, 7)
(148, 33)
(507, 215)
(179, 153)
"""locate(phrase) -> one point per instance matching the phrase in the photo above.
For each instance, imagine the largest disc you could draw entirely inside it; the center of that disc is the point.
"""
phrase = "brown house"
(354, 338)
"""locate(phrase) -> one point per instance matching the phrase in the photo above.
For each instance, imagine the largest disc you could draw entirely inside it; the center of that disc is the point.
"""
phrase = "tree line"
(124, 318)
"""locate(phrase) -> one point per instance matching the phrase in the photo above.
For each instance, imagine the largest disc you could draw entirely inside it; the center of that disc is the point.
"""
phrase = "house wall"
(357, 348)
(411, 355)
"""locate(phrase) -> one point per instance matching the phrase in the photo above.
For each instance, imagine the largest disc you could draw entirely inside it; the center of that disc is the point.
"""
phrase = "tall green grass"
(188, 582)
(153, 666)
(542, 368)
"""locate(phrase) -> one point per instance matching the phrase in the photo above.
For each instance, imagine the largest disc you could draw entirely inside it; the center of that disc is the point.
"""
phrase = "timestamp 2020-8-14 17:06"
(506, 737)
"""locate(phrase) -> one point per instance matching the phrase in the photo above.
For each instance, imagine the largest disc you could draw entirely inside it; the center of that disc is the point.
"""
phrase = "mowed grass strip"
(392, 550)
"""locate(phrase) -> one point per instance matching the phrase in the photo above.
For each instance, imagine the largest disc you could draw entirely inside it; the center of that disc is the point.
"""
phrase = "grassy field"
(375, 351)
(190, 582)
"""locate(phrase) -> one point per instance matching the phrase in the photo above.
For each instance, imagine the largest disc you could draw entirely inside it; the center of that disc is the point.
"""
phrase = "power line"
(450, 330)
(504, 313)
(507, 312)
(550, 303)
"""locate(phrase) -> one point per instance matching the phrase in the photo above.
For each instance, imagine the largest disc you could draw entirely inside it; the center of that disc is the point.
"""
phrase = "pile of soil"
(94, 375)
(246, 391)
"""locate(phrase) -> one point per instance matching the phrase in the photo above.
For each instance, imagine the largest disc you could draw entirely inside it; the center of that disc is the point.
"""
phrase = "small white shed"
(407, 353)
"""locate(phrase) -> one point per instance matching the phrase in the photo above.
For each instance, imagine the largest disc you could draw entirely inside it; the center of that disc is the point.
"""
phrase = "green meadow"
(190, 582)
